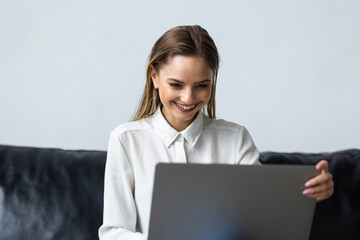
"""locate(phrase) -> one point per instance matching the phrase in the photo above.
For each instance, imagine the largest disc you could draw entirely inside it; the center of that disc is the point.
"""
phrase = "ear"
(154, 77)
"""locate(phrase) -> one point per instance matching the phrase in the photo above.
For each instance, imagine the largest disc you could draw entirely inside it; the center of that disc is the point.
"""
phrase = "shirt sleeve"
(246, 151)
(120, 215)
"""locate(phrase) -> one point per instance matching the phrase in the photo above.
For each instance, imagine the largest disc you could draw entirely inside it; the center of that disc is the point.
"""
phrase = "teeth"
(185, 107)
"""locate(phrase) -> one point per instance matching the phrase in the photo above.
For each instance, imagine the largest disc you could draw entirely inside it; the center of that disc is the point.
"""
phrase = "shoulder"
(222, 125)
(128, 127)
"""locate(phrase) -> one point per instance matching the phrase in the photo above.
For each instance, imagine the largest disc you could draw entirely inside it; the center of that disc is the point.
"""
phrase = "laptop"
(231, 202)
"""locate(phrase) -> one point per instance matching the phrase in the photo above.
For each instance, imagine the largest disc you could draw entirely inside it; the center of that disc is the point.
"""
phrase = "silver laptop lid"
(227, 202)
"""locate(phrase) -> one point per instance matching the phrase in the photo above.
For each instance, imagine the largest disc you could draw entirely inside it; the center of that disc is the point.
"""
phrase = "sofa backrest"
(50, 193)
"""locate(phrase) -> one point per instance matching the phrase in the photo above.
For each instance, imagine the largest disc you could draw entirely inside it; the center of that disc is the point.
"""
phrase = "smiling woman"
(175, 123)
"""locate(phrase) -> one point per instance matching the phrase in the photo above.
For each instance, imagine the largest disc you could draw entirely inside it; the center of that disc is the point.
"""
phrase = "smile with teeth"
(185, 107)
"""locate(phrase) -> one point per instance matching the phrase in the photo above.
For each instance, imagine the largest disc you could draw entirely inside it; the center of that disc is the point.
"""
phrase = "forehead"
(186, 68)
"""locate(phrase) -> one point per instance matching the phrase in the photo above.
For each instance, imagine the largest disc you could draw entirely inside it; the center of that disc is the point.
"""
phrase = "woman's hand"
(322, 186)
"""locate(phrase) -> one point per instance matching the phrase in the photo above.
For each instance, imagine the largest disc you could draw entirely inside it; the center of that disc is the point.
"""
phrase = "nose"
(187, 96)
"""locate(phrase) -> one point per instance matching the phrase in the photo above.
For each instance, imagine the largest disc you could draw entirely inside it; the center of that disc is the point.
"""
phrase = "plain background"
(71, 71)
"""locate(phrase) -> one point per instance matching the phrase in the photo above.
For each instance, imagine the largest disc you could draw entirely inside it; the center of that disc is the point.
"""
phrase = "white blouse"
(136, 147)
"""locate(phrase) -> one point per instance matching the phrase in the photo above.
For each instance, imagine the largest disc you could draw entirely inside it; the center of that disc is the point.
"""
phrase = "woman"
(175, 122)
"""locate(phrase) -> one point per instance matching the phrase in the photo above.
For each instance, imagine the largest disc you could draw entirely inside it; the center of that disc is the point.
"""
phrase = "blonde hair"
(185, 41)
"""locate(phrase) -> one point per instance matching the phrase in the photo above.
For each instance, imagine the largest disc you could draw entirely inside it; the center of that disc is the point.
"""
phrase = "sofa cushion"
(50, 193)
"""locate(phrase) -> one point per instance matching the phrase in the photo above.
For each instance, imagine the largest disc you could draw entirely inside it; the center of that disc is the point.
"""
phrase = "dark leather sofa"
(57, 194)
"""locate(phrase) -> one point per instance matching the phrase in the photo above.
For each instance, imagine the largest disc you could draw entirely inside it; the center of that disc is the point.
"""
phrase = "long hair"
(184, 41)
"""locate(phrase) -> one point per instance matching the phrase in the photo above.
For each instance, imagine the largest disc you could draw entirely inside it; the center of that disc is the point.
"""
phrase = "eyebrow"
(178, 81)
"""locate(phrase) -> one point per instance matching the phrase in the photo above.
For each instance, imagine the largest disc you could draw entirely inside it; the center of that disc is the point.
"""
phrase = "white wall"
(71, 71)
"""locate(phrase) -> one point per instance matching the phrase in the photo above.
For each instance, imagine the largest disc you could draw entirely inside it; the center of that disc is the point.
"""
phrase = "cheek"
(167, 93)
(206, 95)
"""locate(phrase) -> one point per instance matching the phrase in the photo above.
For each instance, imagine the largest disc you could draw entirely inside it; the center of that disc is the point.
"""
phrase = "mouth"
(186, 108)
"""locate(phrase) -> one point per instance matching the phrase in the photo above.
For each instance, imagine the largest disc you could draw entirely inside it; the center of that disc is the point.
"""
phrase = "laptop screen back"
(227, 202)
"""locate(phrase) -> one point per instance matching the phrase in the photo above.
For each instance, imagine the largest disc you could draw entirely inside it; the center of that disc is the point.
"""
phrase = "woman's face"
(184, 85)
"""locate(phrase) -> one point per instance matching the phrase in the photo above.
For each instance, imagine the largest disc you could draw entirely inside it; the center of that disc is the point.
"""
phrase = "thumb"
(322, 166)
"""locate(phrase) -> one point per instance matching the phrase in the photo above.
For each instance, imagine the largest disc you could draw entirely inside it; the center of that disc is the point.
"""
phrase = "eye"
(175, 85)
(202, 86)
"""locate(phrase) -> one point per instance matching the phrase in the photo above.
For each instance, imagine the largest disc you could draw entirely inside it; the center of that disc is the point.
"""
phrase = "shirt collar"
(168, 134)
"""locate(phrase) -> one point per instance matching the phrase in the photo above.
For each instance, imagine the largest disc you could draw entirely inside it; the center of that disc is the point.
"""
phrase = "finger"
(324, 190)
(319, 179)
(323, 165)
(322, 196)
(319, 189)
